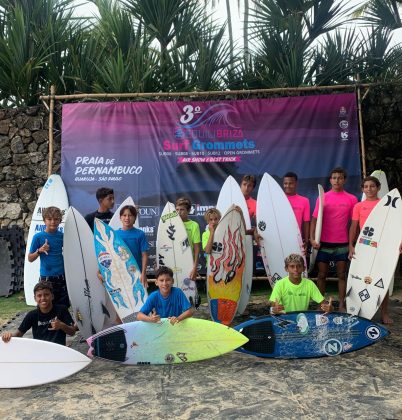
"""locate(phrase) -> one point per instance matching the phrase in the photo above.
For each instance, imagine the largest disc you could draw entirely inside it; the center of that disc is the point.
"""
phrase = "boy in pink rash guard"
(338, 206)
(300, 205)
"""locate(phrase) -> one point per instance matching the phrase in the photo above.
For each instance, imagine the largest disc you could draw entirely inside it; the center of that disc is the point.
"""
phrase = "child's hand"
(56, 324)
(154, 317)
(44, 248)
(6, 337)
(277, 309)
(173, 320)
(100, 277)
(193, 274)
(315, 244)
(327, 306)
(144, 280)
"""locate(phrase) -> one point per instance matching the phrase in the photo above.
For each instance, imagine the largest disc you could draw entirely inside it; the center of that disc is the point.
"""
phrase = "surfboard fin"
(378, 302)
(105, 311)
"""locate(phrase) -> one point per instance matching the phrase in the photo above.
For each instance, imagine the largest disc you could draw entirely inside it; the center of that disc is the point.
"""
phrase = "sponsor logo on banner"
(148, 211)
(343, 112)
(344, 124)
(199, 209)
(148, 230)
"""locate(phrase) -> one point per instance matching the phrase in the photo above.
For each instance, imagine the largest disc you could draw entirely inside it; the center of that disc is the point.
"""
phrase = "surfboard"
(381, 176)
(86, 292)
(26, 362)
(376, 256)
(146, 343)
(231, 194)
(53, 194)
(174, 250)
(226, 267)
(115, 222)
(277, 225)
(318, 226)
(120, 271)
(308, 334)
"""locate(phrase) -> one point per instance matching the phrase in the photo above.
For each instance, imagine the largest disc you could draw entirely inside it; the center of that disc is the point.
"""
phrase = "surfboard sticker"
(173, 250)
(120, 271)
(226, 267)
(376, 256)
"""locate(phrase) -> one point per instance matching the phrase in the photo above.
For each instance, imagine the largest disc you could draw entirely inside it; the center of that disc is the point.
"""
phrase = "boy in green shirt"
(294, 292)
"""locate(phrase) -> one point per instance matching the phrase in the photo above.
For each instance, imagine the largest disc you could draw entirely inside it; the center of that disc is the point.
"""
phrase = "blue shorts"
(333, 252)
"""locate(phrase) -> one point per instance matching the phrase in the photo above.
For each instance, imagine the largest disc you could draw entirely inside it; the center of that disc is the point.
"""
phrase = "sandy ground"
(364, 384)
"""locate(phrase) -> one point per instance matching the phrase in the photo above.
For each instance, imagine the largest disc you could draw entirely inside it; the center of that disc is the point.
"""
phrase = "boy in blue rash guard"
(135, 239)
(48, 246)
(167, 302)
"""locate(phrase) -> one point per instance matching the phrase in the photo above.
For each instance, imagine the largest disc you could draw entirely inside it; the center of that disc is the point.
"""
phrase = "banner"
(159, 151)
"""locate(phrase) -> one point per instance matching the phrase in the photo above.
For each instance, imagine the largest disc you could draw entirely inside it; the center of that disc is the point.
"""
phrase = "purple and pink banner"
(159, 151)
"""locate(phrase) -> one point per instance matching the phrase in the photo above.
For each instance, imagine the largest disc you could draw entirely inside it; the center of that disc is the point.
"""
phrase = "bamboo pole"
(203, 94)
(361, 131)
(51, 125)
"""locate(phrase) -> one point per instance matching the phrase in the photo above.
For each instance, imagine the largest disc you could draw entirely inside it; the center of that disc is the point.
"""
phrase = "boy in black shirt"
(48, 322)
(105, 197)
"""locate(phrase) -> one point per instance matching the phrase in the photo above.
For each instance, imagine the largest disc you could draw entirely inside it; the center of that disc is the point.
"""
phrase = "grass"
(10, 306)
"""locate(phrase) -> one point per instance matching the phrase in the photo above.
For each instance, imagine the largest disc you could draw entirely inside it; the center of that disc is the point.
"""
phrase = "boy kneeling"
(48, 322)
(167, 302)
(294, 292)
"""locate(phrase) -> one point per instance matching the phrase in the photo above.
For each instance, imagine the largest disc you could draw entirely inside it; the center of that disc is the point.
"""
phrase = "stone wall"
(24, 150)
(23, 162)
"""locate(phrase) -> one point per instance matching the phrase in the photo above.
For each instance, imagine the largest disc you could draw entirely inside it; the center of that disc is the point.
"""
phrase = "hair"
(52, 212)
(371, 178)
(163, 270)
(103, 192)
(294, 258)
(43, 285)
(338, 170)
(184, 201)
(291, 175)
(131, 209)
(249, 178)
(211, 211)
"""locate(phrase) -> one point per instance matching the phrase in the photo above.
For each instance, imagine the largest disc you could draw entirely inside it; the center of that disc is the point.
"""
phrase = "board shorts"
(333, 252)
(59, 289)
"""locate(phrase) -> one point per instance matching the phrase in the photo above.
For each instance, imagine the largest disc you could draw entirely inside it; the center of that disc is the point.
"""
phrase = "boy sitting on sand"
(48, 322)
(167, 302)
(294, 292)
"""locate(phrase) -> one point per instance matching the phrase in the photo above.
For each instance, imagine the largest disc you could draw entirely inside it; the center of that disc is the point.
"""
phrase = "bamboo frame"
(51, 125)
(196, 94)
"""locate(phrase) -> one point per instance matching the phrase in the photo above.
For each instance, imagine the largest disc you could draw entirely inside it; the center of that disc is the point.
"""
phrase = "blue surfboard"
(308, 334)
(120, 272)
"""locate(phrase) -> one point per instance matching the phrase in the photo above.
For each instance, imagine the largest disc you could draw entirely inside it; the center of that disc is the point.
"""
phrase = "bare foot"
(385, 319)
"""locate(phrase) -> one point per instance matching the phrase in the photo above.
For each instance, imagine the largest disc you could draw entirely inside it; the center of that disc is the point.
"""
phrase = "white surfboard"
(376, 256)
(231, 194)
(318, 226)
(120, 272)
(53, 194)
(27, 362)
(174, 251)
(277, 225)
(86, 292)
(115, 222)
(380, 175)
